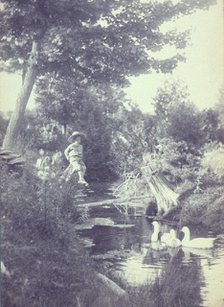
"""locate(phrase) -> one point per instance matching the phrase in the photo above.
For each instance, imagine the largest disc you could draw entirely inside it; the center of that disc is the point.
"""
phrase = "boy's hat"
(74, 135)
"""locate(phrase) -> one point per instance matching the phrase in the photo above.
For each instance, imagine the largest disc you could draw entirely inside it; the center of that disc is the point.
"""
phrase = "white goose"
(155, 234)
(174, 241)
(165, 237)
(155, 243)
(196, 243)
(170, 239)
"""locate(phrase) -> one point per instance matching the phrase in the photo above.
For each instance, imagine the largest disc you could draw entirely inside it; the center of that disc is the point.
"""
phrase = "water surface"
(127, 252)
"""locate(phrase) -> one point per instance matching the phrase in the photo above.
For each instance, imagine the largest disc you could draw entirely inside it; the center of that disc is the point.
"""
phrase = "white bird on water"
(196, 243)
(173, 241)
(155, 243)
(168, 239)
(155, 234)
(165, 237)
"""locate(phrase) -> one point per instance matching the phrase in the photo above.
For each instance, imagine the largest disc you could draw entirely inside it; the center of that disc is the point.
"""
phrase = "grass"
(48, 266)
(178, 286)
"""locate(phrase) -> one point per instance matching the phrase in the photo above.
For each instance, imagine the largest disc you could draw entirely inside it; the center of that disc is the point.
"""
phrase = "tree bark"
(11, 140)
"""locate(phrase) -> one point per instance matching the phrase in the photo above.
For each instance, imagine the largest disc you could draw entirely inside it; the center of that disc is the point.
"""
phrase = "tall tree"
(177, 117)
(92, 41)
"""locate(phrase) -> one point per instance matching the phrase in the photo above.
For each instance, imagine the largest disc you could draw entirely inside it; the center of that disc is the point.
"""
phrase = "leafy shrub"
(206, 205)
(205, 208)
(39, 247)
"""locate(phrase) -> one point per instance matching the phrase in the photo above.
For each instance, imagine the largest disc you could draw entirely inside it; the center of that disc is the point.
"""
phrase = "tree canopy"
(93, 42)
(97, 40)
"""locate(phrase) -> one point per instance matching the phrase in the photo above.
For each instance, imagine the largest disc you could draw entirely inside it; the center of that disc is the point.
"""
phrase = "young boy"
(74, 154)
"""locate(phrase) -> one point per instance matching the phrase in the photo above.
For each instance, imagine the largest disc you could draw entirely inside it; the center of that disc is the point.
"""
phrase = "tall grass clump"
(178, 285)
(47, 264)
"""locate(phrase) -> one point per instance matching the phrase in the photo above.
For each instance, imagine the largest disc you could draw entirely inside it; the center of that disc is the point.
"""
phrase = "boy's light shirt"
(74, 150)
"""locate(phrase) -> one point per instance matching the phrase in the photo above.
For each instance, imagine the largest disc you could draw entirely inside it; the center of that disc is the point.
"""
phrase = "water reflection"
(188, 277)
(212, 270)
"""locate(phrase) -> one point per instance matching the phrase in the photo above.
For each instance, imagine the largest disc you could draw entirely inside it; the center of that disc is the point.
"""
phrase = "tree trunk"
(13, 132)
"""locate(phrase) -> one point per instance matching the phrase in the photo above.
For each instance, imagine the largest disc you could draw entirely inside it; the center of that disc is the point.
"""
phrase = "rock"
(98, 221)
(109, 293)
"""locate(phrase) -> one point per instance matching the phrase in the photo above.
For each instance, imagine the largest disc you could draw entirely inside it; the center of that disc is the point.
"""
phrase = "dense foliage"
(39, 245)
(91, 42)
(86, 51)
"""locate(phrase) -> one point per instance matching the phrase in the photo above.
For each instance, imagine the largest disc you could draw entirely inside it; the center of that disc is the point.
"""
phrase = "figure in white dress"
(43, 165)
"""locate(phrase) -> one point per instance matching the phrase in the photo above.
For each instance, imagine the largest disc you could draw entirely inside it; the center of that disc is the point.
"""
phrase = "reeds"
(147, 183)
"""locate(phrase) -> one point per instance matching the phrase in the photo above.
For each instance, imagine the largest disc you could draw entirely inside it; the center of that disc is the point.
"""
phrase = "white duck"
(196, 243)
(155, 243)
(170, 239)
(165, 237)
(155, 234)
(174, 241)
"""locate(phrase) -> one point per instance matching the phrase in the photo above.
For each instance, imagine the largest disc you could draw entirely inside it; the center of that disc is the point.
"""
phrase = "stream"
(121, 242)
